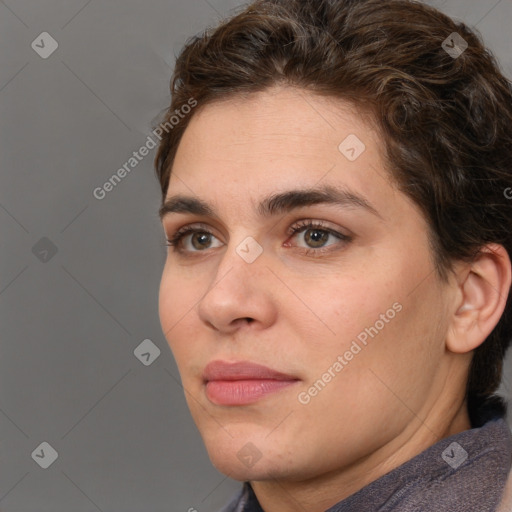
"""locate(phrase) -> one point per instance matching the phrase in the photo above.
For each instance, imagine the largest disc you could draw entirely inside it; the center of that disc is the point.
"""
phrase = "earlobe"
(483, 292)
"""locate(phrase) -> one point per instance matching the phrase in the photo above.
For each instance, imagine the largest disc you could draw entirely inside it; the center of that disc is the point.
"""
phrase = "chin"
(231, 466)
(242, 459)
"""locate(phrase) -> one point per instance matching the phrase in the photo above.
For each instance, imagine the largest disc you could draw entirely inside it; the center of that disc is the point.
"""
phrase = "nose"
(239, 294)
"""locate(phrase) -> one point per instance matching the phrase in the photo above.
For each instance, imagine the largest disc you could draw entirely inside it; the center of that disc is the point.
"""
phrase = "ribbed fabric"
(465, 472)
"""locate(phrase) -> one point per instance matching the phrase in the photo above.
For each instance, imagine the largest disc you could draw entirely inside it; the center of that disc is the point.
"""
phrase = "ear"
(483, 288)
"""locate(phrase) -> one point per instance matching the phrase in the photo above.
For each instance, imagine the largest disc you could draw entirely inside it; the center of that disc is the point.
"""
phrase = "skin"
(402, 392)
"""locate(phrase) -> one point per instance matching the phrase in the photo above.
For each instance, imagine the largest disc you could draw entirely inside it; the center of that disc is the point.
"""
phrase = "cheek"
(373, 321)
(341, 312)
(168, 304)
(177, 299)
(394, 351)
(373, 380)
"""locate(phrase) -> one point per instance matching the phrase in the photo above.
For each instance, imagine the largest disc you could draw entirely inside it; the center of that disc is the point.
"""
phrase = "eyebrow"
(275, 204)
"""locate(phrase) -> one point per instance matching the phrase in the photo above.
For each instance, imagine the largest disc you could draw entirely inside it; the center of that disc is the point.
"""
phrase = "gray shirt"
(465, 472)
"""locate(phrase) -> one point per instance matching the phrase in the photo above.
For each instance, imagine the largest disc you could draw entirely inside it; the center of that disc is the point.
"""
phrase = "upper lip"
(241, 370)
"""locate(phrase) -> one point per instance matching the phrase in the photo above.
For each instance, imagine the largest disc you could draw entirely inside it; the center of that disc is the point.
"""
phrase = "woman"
(334, 179)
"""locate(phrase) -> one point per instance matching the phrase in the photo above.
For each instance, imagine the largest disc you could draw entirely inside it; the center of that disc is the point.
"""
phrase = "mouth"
(242, 382)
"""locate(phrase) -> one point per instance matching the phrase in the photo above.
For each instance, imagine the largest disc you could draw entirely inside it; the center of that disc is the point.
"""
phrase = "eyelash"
(301, 226)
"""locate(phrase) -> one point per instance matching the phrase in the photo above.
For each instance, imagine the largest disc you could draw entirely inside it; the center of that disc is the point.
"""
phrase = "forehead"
(276, 140)
(283, 120)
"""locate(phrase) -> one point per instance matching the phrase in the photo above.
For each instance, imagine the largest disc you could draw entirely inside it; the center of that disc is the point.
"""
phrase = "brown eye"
(201, 240)
(316, 238)
(192, 240)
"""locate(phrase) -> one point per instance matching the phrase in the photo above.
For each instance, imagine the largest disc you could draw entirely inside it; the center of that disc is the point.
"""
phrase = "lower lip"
(242, 392)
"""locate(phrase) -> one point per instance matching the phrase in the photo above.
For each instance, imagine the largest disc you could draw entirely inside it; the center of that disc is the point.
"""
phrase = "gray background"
(70, 324)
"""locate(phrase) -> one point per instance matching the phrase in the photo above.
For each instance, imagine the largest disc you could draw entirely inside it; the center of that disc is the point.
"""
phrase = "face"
(334, 294)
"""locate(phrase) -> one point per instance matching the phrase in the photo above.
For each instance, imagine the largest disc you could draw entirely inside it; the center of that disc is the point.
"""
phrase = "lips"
(242, 370)
(242, 382)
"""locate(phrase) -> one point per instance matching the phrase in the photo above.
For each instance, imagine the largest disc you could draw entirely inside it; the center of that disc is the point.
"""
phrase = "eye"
(192, 239)
(315, 235)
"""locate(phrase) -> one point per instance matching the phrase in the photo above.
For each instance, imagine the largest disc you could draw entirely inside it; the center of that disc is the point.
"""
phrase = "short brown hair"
(446, 121)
